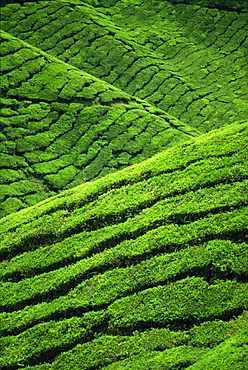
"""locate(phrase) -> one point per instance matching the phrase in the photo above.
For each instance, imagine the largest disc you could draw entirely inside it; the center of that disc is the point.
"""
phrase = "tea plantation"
(62, 126)
(143, 268)
(124, 185)
(90, 87)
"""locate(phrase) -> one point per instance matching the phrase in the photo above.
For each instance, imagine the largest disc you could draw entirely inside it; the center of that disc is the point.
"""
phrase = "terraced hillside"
(90, 87)
(145, 268)
(186, 59)
(123, 185)
(62, 127)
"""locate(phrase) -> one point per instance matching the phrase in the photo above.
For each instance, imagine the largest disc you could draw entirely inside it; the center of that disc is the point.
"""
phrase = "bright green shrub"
(9, 175)
(231, 354)
(109, 349)
(61, 179)
(45, 337)
(10, 205)
(187, 300)
(211, 333)
(179, 356)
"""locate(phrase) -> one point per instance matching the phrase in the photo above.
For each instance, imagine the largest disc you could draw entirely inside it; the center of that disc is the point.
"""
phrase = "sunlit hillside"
(123, 185)
(143, 268)
(90, 87)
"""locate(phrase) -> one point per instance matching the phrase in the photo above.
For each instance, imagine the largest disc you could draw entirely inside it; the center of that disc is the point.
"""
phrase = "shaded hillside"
(145, 268)
(61, 127)
(189, 60)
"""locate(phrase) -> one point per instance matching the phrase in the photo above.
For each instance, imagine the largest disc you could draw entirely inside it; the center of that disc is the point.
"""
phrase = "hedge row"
(188, 300)
(232, 354)
(179, 356)
(130, 199)
(109, 226)
(222, 4)
(42, 341)
(110, 349)
(222, 143)
(53, 336)
(214, 260)
(162, 239)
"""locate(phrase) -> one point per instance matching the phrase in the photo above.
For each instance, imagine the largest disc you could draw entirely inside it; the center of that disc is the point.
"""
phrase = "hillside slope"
(189, 60)
(61, 126)
(142, 269)
(90, 87)
(123, 147)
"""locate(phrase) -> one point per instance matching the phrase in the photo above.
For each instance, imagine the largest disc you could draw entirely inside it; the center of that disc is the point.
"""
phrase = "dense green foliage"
(123, 185)
(143, 268)
(62, 126)
(185, 59)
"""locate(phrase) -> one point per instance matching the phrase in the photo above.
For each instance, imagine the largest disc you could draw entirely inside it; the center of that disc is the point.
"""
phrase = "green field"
(124, 185)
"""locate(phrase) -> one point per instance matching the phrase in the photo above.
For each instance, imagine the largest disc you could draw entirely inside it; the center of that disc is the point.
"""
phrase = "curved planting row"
(144, 268)
(186, 59)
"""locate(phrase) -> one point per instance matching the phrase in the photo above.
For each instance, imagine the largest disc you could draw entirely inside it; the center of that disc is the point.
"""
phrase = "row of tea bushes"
(109, 349)
(158, 259)
(184, 302)
(177, 171)
(32, 290)
(105, 226)
(215, 259)
(216, 148)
